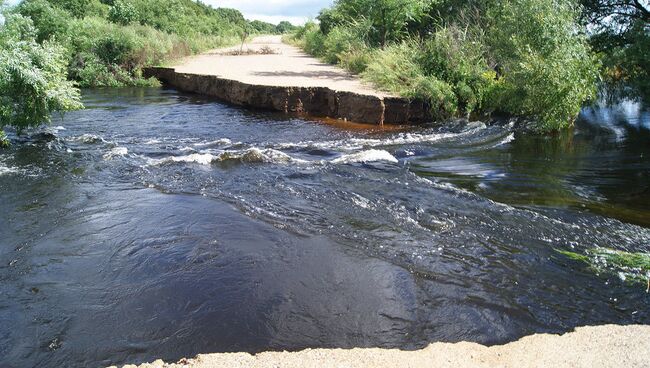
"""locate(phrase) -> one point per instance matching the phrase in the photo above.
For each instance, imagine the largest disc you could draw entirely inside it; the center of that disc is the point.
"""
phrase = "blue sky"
(295, 11)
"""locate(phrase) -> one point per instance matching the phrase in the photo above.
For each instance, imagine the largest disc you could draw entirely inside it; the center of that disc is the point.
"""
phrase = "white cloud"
(295, 11)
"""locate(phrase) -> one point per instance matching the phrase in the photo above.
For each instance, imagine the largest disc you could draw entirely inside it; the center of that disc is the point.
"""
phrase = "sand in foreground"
(603, 346)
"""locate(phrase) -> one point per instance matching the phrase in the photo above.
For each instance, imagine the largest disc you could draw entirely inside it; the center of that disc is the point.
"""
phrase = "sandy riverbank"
(603, 346)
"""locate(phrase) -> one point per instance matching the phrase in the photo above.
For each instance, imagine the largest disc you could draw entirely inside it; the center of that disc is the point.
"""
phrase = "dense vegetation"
(100, 43)
(531, 58)
(32, 77)
(108, 42)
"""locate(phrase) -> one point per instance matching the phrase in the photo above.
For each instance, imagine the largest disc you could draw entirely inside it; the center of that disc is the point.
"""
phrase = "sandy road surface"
(287, 67)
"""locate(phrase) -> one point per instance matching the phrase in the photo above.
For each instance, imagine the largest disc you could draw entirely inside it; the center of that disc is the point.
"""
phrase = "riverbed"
(156, 224)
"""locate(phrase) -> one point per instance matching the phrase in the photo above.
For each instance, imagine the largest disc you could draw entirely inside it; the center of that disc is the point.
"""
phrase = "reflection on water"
(156, 224)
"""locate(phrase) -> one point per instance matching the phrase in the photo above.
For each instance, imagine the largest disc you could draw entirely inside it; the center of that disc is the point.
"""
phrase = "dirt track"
(287, 67)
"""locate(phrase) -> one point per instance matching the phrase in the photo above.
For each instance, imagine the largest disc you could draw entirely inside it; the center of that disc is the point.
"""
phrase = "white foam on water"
(89, 139)
(116, 152)
(152, 141)
(249, 155)
(7, 170)
(360, 201)
(354, 144)
(57, 128)
(506, 140)
(372, 155)
(203, 159)
(218, 142)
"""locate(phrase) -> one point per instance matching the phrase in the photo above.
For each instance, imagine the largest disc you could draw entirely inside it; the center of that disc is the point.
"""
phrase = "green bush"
(459, 57)
(521, 57)
(78, 8)
(395, 69)
(548, 68)
(314, 42)
(50, 21)
(356, 60)
(338, 42)
(32, 76)
(123, 13)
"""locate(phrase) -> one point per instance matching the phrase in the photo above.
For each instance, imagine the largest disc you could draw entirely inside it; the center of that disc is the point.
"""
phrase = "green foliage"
(396, 69)
(4, 141)
(457, 57)
(123, 13)
(49, 20)
(32, 77)
(521, 57)
(107, 54)
(630, 267)
(284, 27)
(108, 42)
(263, 27)
(340, 41)
(78, 8)
(548, 69)
(389, 19)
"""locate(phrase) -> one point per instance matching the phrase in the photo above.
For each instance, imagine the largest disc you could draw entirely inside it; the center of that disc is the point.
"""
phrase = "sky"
(272, 11)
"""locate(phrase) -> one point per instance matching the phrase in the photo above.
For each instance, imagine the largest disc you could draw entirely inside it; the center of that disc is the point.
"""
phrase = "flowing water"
(155, 224)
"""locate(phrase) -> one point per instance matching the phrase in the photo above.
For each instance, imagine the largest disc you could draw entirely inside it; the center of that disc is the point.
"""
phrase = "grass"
(633, 268)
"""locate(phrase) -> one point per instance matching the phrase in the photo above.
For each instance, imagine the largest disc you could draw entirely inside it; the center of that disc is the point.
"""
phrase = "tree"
(263, 27)
(615, 17)
(77, 8)
(389, 18)
(33, 81)
(620, 30)
(284, 27)
(547, 65)
(123, 13)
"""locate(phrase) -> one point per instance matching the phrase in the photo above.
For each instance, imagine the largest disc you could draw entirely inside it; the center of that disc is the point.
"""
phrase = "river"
(156, 224)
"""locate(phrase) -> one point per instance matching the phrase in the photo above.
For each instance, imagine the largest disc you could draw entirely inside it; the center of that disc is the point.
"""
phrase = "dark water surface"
(162, 225)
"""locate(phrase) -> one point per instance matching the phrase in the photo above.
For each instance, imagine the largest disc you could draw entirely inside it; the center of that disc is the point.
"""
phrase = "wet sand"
(602, 346)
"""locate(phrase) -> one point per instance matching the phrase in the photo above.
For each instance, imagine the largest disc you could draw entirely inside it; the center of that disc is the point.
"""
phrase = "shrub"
(338, 42)
(458, 57)
(356, 60)
(78, 8)
(522, 57)
(395, 69)
(114, 48)
(548, 69)
(32, 76)
(50, 22)
(314, 42)
(123, 13)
